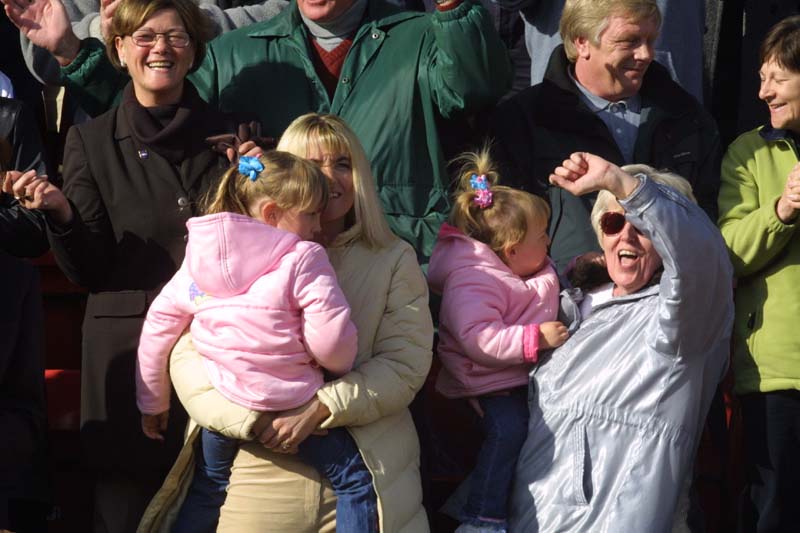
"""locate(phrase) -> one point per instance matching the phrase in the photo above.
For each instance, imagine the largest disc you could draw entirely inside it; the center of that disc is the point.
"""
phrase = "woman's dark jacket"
(22, 231)
(132, 186)
(23, 419)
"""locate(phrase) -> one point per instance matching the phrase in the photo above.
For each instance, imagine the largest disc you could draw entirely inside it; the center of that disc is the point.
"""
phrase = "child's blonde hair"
(290, 181)
(502, 221)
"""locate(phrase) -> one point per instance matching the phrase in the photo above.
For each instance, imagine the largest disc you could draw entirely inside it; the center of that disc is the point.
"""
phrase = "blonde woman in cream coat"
(270, 488)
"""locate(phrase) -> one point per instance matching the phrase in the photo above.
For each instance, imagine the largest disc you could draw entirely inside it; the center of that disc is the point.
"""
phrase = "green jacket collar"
(379, 13)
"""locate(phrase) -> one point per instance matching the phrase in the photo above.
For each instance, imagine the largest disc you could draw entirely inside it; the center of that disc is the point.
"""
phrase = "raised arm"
(695, 291)
(468, 64)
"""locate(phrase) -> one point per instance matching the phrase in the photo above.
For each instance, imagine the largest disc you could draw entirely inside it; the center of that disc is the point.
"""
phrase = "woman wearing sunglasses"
(132, 178)
(617, 410)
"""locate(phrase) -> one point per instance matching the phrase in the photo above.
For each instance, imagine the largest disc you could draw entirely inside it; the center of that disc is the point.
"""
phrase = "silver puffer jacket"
(617, 411)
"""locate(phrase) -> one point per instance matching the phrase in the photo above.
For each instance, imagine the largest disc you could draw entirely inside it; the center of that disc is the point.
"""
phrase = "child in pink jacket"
(267, 314)
(499, 302)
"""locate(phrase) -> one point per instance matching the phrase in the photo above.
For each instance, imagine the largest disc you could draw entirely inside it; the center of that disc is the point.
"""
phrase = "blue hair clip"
(483, 196)
(250, 167)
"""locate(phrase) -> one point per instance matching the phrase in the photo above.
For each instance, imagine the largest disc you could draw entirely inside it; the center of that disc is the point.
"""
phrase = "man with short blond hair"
(604, 93)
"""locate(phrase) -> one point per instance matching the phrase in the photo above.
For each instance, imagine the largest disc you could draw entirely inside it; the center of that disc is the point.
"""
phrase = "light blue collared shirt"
(622, 118)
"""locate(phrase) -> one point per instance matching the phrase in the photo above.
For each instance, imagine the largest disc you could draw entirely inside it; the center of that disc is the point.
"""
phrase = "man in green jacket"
(391, 74)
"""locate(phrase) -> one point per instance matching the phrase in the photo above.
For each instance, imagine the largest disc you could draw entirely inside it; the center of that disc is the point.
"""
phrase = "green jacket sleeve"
(92, 79)
(205, 77)
(468, 64)
(753, 232)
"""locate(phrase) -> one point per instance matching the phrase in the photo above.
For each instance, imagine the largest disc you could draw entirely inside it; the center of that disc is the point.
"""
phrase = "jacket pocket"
(581, 493)
(117, 304)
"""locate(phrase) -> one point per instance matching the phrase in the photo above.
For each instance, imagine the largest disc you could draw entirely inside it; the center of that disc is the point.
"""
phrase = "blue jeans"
(335, 455)
(505, 425)
(212, 471)
(337, 458)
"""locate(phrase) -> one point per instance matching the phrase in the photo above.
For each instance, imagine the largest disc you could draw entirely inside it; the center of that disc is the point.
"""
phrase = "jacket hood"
(227, 252)
(454, 250)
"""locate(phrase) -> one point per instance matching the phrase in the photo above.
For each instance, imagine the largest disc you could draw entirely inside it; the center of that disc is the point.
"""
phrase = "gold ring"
(285, 446)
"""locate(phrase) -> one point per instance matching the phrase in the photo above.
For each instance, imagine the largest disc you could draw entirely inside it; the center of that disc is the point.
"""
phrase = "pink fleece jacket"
(489, 319)
(265, 310)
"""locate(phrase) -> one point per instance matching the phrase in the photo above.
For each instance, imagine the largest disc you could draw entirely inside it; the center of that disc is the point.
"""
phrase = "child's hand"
(552, 335)
(154, 426)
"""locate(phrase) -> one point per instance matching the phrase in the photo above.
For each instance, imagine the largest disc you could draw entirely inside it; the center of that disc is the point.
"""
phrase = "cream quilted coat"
(388, 297)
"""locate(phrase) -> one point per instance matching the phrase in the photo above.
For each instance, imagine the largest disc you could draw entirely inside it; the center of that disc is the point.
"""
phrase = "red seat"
(63, 399)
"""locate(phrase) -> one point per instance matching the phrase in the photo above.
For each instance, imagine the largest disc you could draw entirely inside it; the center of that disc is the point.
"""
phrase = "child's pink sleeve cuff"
(530, 343)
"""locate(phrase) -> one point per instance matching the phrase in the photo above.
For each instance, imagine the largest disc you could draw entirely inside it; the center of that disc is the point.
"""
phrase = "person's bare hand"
(788, 205)
(584, 173)
(552, 335)
(46, 24)
(247, 148)
(288, 429)
(476, 406)
(36, 192)
(107, 9)
(154, 426)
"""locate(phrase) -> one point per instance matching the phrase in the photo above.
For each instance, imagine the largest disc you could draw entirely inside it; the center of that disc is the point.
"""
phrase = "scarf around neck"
(174, 131)
(330, 34)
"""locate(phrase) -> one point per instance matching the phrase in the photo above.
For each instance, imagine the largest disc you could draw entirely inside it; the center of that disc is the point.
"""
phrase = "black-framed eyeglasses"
(148, 39)
(612, 222)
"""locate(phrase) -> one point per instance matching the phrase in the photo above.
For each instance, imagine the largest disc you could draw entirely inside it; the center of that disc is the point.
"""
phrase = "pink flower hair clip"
(483, 196)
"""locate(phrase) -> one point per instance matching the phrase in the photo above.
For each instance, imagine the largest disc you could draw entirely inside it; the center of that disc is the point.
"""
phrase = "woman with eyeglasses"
(132, 178)
(616, 412)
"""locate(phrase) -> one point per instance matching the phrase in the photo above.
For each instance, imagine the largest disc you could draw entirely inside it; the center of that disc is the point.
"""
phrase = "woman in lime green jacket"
(759, 204)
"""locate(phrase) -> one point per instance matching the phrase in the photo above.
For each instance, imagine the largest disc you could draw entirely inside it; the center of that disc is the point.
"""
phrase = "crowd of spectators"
(659, 152)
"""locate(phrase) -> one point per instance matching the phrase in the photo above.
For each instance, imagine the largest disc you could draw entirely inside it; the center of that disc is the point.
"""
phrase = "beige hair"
(605, 200)
(589, 18)
(315, 132)
(290, 181)
(502, 224)
(130, 15)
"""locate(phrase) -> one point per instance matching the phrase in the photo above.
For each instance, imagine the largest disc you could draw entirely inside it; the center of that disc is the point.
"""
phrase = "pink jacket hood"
(264, 308)
(455, 251)
(489, 318)
(227, 252)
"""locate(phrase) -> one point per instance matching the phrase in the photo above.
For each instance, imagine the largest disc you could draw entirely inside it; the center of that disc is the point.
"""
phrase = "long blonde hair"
(504, 221)
(315, 132)
(289, 181)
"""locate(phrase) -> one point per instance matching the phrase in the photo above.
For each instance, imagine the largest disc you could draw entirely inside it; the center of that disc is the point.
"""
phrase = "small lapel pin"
(143, 154)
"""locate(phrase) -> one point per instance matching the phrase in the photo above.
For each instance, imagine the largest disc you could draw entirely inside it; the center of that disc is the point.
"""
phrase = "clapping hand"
(36, 192)
(789, 203)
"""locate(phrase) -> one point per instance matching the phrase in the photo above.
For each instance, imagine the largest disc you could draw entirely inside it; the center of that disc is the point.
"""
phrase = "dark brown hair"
(782, 44)
(130, 15)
